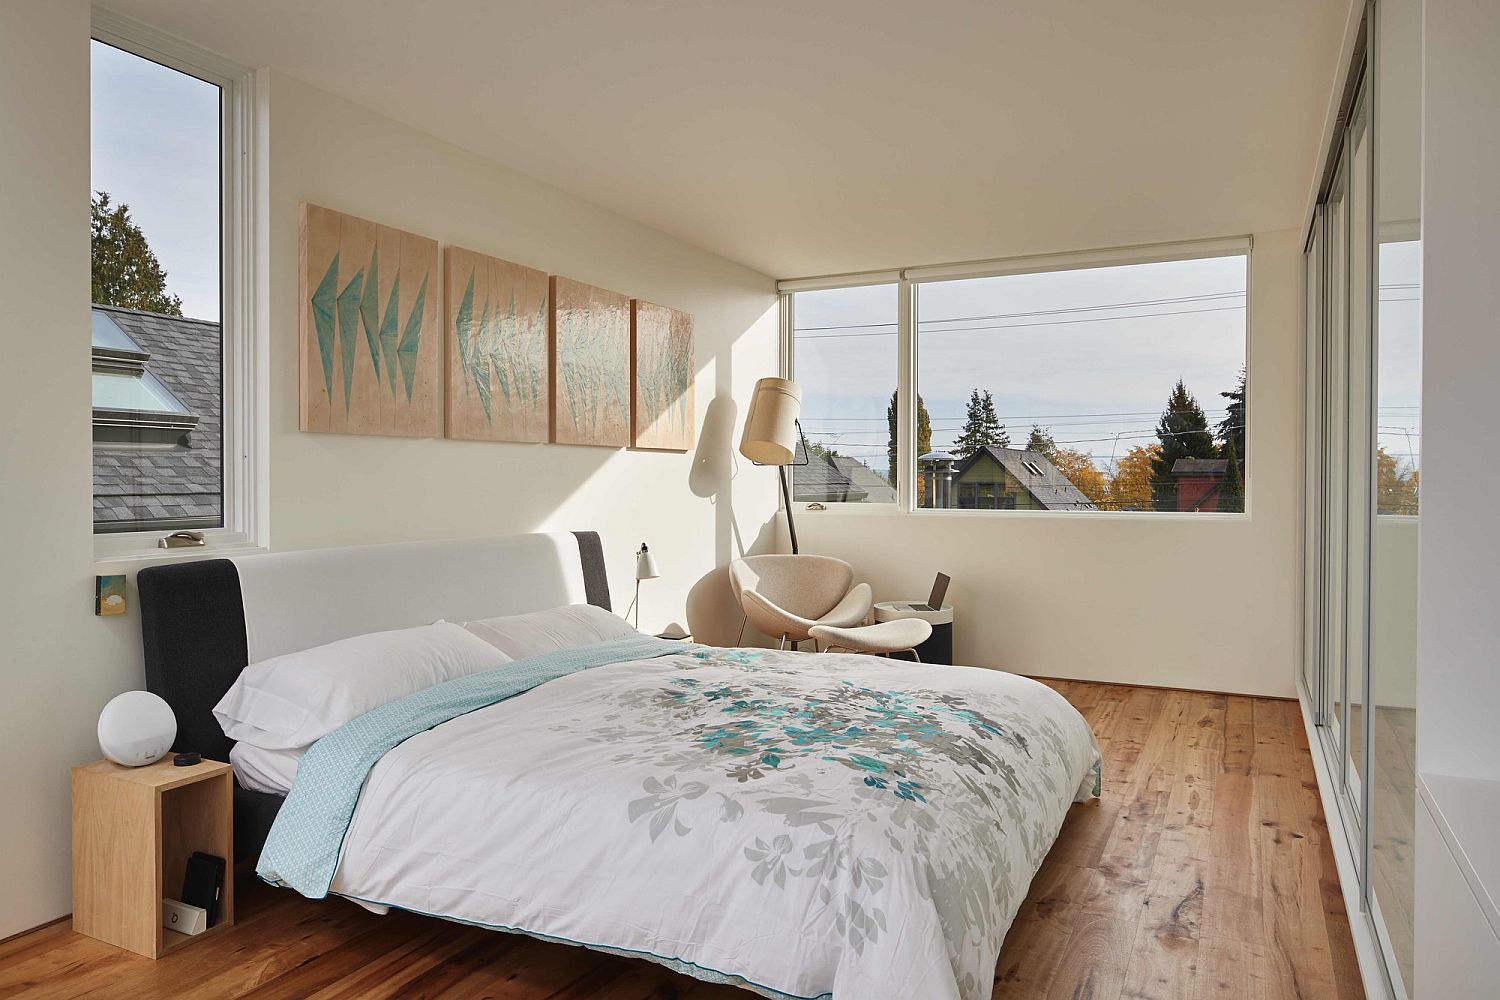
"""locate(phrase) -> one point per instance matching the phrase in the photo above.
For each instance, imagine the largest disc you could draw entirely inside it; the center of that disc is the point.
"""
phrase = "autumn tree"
(1183, 433)
(982, 426)
(1081, 471)
(125, 269)
(924, 433)
(1130, 486)
(1396, 490)
(1041, 442)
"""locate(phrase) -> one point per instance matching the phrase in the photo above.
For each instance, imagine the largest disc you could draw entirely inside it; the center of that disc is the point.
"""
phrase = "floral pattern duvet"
(802, 825)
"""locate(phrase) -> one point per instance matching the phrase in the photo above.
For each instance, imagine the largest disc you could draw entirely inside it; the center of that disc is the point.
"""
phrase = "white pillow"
(567, 627)
(289, 701)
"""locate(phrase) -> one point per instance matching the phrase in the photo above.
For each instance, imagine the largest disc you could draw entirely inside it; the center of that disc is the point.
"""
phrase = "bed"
(801, 825)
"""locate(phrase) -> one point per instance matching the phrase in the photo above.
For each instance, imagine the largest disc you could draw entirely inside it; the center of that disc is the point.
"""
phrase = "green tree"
(1183, 432)
(1041, 441)
(1232, 495)
(924, 434)
(125, 269)
(982, 426)
(1231, 430)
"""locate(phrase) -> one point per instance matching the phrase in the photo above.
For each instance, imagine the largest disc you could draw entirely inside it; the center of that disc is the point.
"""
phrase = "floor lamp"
(772, 433)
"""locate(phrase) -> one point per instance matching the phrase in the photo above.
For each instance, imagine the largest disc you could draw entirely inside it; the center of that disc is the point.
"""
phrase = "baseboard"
(1158, 687)
(1367, 950)
(32, 930)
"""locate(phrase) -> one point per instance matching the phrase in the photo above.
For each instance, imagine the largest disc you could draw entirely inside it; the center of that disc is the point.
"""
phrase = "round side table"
(938, 648)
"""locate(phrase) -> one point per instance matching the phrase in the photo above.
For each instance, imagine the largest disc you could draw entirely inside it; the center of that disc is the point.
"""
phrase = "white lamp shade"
(770, 436)
(136, 728)
(645, 565)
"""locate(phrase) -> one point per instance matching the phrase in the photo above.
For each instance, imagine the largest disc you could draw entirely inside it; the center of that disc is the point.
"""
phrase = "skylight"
(126, 393)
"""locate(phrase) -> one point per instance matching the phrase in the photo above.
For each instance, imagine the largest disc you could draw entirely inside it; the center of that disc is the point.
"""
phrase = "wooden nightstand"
(134, 829)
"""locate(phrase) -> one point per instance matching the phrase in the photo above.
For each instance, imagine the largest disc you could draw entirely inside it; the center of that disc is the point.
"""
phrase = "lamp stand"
(786, 499)
(636, 605)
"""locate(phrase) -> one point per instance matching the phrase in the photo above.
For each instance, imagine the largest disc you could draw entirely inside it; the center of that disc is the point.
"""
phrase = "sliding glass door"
(1363, 464)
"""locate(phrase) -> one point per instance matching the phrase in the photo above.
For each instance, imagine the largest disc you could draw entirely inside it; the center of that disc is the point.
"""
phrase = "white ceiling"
(814, 136)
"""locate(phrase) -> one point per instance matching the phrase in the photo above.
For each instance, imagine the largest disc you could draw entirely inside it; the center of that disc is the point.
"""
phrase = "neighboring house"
(1200, 481)
(877, 488)
(1014, 479)
(156, 414)
(821, 481)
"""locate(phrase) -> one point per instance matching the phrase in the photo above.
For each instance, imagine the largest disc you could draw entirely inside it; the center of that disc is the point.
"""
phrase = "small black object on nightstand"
(187, 759)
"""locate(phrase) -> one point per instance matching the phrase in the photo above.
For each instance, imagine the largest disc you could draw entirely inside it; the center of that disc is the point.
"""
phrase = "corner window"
(1076, 384)
(844, 359)
(172, 364)
(1098, 381)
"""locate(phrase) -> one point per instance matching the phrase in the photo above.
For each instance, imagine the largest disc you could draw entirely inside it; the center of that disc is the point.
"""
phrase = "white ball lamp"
(136, 728)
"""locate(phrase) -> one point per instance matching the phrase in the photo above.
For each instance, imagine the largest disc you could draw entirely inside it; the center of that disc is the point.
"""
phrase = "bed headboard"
(202, 622)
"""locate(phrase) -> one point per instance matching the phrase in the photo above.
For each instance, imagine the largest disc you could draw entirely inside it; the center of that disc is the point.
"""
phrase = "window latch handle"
(180, 540)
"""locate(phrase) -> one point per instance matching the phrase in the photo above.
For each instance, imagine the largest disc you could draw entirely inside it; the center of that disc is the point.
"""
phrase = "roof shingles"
(134, 482)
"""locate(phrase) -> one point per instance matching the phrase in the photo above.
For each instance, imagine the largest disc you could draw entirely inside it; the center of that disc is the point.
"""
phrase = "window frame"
(244, 382)
(908, 283)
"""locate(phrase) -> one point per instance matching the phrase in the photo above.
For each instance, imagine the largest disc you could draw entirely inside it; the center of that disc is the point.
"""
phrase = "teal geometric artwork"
(497, 348)
(662, 339)
(591, 365)
(379, 352)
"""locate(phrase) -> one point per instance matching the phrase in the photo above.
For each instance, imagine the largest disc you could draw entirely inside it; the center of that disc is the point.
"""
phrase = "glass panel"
(143, 393)
(1361, 430)
(1312, 614)
(1398, 409)
(844, 358)
(1335, 468)
(155, 221)
(1109, 388)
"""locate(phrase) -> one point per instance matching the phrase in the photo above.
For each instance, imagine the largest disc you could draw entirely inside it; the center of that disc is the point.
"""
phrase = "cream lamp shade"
(770, 436)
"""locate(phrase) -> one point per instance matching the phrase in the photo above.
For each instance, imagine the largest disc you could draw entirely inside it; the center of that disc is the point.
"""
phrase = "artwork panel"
(359, 283)
(663, 367)
(496, 342)
(590, 365)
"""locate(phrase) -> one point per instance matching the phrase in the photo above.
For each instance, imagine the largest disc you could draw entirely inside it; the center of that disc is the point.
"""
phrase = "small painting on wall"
(661, 377)
(369, 327)
(109, 595)
(590, 365)
(498, 383)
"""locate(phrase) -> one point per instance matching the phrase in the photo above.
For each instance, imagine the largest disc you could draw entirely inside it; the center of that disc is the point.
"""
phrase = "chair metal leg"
(744, 620)
(782, 645)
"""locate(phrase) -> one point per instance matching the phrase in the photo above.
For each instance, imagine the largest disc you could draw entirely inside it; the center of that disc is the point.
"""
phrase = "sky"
(1091, 355)
(156, 149)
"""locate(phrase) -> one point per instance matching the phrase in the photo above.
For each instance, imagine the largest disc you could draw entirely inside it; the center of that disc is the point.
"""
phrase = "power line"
(1022, 326)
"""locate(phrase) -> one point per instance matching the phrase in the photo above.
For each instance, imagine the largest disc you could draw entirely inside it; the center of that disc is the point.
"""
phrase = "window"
(1097, 381)
(844, 358)
(1113, 388)
(173, 366)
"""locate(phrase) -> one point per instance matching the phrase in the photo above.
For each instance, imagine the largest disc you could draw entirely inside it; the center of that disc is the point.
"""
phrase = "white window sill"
(140, 552)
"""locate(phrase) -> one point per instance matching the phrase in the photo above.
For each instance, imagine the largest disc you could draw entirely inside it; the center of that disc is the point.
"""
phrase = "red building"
(1200, 482)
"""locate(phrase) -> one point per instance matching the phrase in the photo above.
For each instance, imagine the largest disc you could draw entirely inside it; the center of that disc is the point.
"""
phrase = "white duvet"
(800, 824)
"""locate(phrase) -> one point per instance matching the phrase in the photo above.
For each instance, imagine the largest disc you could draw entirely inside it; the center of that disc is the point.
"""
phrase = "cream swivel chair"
(785, 596)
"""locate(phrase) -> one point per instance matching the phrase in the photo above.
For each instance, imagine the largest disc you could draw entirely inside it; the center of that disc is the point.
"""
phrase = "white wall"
(1459, 632)
(60, 663)
(1189, 601)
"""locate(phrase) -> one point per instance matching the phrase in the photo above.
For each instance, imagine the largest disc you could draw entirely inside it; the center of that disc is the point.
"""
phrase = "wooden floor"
(1205, 871)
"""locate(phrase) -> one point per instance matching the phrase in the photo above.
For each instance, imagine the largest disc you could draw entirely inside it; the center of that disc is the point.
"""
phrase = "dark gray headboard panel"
(193, 634)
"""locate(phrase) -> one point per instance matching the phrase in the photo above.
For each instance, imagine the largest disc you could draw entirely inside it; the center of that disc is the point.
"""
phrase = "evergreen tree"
(125, 269)
(1041, 441)
(982, 426)
(924, 434)
(1231, 430)
(1183, 431)
(1232, 494)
